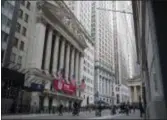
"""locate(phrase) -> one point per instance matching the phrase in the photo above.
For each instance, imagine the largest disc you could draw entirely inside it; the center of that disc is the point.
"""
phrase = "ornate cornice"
(68, 19)
(40, 19)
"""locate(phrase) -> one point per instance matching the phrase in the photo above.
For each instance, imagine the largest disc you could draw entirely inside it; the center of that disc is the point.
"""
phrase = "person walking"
(61, 109)
(141, 109)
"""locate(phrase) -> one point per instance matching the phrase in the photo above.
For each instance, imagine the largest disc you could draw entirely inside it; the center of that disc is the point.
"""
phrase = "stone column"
(67, 62)
(77, 66)
(135, 94)
(80, 75)
(62, 52)
(38, 44)
(105, 81)
(110, 92)
(103, 84)
(48, 50)
(55, 53)
(72, 62)
(108, 87)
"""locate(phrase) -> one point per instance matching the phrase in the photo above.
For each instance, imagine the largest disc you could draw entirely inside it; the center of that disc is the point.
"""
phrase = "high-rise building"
(104, 55)
(22, 31)
(126, 47)
(82, 10)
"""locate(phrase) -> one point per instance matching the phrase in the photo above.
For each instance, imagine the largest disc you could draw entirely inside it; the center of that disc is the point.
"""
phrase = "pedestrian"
(75, 108)
(61, 109)
(141, 109)
(127, 109)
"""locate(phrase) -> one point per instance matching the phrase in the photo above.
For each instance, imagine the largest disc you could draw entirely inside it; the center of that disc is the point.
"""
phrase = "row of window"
(107, 100)
(88, 71)
(18, 29)
(16, 42)
(26, 17)
(88, 65)
(12, 58)
(5, 36)
(89, 89)
(88, 80)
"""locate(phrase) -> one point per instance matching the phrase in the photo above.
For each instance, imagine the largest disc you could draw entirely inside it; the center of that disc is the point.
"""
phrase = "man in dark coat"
(61, 109)
(141, 109)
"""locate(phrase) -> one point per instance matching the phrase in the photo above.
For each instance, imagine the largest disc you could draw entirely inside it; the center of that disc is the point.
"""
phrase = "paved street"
(83, 115)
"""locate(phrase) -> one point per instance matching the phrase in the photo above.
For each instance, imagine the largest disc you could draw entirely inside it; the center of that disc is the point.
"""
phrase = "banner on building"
(60, 85)
(37, 87)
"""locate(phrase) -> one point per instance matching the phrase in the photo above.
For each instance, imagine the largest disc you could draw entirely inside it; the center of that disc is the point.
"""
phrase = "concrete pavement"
(83, 115)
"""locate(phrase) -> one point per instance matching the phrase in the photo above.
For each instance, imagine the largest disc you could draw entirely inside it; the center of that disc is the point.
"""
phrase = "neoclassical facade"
(58, 43)
(135, 85)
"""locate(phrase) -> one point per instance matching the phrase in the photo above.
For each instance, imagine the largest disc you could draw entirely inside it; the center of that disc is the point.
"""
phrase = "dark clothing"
(141, 109)
(76, 108)
(127, 109)
(61, 109)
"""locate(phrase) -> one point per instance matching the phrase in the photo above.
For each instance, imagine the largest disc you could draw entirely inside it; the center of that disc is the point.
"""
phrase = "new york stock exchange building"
(58, 44)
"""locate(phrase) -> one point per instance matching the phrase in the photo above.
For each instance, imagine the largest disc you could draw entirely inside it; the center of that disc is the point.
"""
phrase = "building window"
(19, 60)
(22, 45)
(24, 31)
(28, 5)
(4, 36)
(20, 13)
(13, 57)
(26, 18)
(15, 42)
(18, 27)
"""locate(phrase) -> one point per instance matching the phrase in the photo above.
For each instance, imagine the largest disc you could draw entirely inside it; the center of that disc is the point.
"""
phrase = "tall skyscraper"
(82, 10)
(21, 33)
(126, 46)
(104, 54)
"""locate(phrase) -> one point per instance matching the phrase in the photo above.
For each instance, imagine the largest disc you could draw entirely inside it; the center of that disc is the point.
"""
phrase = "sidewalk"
(132, 115)
(29, 115)
(35, 115)
(84, 114)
